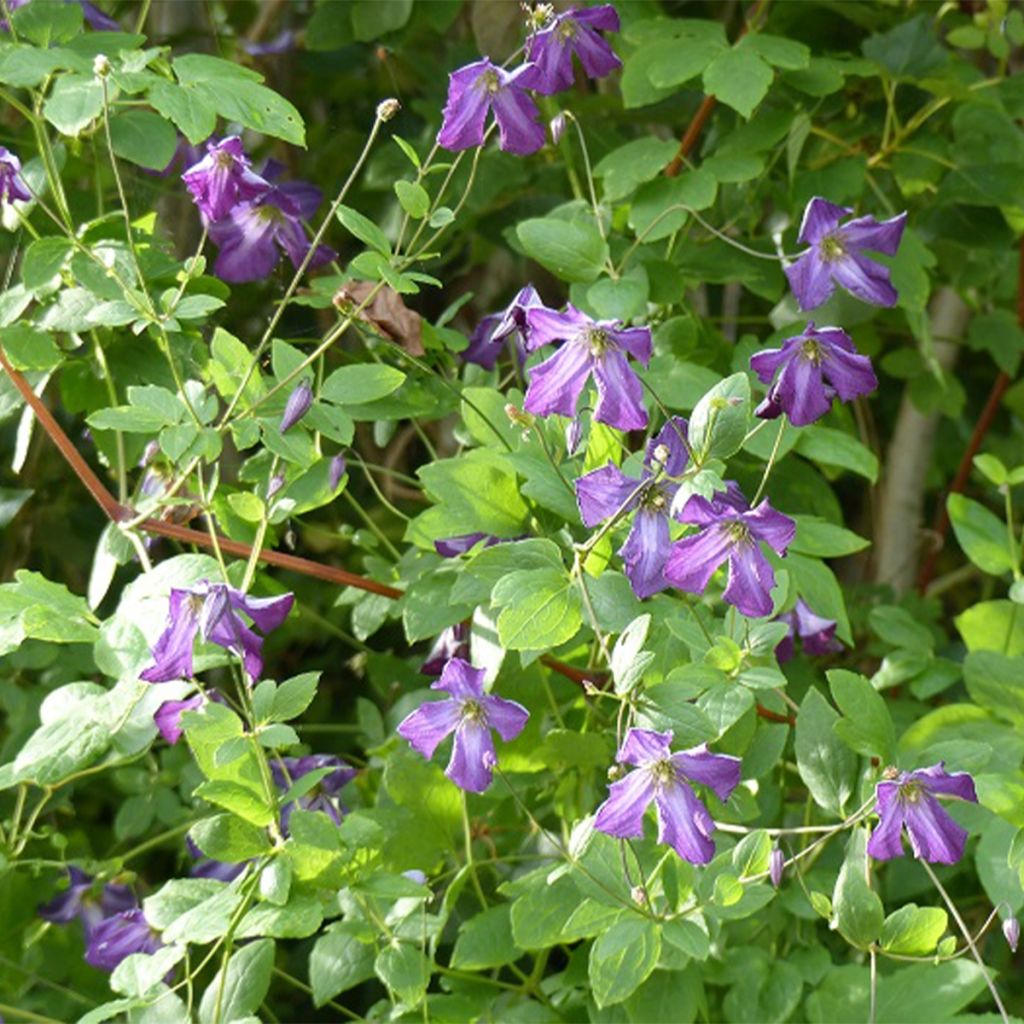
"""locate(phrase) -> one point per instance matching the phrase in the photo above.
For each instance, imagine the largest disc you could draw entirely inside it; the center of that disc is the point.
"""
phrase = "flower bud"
(297, 405)
(661, 454)
(276, 483)
(149, 453)
(100, 65)
(518, 417)
(387, 109)
(615, 772)
(638, 895)
(574, 437)
(338, 469)
(776, 866)
(557, 127)
(1011, 932)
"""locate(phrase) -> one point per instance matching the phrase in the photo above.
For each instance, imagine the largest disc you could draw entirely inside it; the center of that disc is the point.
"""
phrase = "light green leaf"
(540, 608)
(623, 957)
(571, 250)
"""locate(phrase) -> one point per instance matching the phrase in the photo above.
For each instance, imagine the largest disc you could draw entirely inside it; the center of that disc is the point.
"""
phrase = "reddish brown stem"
(774, 716)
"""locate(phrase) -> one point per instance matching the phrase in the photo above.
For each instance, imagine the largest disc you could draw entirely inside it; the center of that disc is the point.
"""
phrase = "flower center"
(473, 711)
(653, 498)
(811, 351)
(490, 81)
(597, 340)
(663, 772)
(832, 248)
(567, 29)
(270, 213)
(911, 792)
(223, 158)
(738, 532)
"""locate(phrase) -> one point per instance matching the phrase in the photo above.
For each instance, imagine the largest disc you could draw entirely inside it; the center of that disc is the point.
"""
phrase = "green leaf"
(33, 607)
(825, 764)
(192, 113)
(981, 534)
(822, 539)
(858, 910)
(783, 53)
(720, 420)
(299, 918)
(238, 799)
(866, 727)
(836, 448)
(993, 626)
(625, 168)
(486, 941)
(29, 348)
(364, 229)
(739, 78)
(339, 961)
(133, 419)
(655, 211)
(239, 988)
(293, 696)
(413, 198)
(896, 626)
(73, 104)
(483, 571)
(914, 930)
(365, 382)
(540, 608)
(623, 957)
(48, 22)
(629, 660)
(996, 682)
(372, 19)
(227, 838)
(571, 250)
(405, 970)
(143, 138)
(42, 261)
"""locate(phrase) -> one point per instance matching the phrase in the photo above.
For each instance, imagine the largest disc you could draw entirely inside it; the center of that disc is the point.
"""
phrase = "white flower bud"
(100, 65)
(387, 109)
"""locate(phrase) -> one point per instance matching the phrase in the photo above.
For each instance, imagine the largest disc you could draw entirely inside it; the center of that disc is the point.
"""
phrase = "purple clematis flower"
(836, 254)
(595, 347)
(337, 469)
(452, 547)
(909, 799)
(603, 492)
(11, 185)
(81, 899)
(470, 714)
(818, 634)
(117, 937)
(299, 403)
(730, 531)
(481, 87)
(253, 235)
(683, 821)
(488, 340)
(452, 643)
(808, 372)
(168, 716)
(222, 179)
(323, 796)
(212, 611)
(572, 32)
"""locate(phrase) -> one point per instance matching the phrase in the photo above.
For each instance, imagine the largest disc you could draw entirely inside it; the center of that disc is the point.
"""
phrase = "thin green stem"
(771, 462)
(467, 834)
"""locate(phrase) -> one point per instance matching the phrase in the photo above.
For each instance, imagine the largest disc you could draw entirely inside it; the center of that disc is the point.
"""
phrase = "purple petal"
(751, 579)
(603, 17)
(453, 642)
(266, 612)
(168, 716)
(595, 54)
(556, 384)
(868, 280)
(473, 759)
(644, 746)
(810, 277)
(801, 392)
(693, 560)
(520, 129)
(767, 362)
(885, 842)
(451, 547)
(246, 246)
(118, 937)
(816, 632)
(684, 823)
(719, 772)
(774, 528)
(466, 109)
(937, 780)
(506, 716)
(820, 219)
(461, 680)
(429, 724)
(673, 436)
(67, 904)
(620, 401)
(634, 340)
(484, 349)
(602, 492)
(172, 652)
(868, 233)
(934, 835)
(849, 373)
(545, 326)
(622, 813)
(645, 552)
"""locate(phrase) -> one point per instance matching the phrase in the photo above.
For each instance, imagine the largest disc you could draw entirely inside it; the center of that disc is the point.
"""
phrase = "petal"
(168, 716)
(519, 126)
(635, 340)
(775, 529)
(849, 373)
(620, 393)
(267, 612)
(810, 277)
(452, 547)
(767, 362)
(556, 384)
(674, 436)
(885, 842)
(642, 746)
(684, 823)
(820, 218)
(550, 67)
(868, 280)
(622, 813)
(751, 579)
(466, 108)
(461, 680)
(473, 757)
(118, 937)
(506, 716)
(645, 552)
(595, 53)
(602, 492)
(719, 772)
(801, 392)
(513, 317)
(246, 244)
(483, 348)
(934, 835)
(693, 560)
(603, 17)
(172, 652)
(937, 780)
(544, 326)
(868, 233)
(429, 724)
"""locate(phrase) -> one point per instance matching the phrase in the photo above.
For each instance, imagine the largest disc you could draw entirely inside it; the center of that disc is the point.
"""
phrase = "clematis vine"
(808, 371)
(323, 796)
(222, 179)
(488, 340)
(817, 634)
(909, 800)
(572, 32)
(836, 255)
(87, 901)
(470, 714)
(606, 491)
(11, 185)
(212, 611)
(729, 531)
(595, 348)
(483, 87)
(664, 778)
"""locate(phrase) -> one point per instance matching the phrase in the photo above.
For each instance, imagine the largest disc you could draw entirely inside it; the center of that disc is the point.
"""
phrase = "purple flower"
(11, 185)
(288, 770)
(253, 235)
(1011, 932)
(207, 867)
(211, 610)
(481, 87)
(605, 491)
(470, 714)
(683, 821)
(222, 179)
(283, 42)
(487, 341)
(118, 937)
(168, 716)
(817, 634)
(808, 372)
(452, 643)
(730, 531)
(909, 799)
(298, 404)
(776, 866)
(452, 547)
(837, 254)
(595, 347)
(572, 32)
(338, 468)
(81, 899)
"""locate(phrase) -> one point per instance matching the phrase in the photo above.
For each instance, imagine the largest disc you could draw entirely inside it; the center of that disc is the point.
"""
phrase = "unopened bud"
(149, 453)
(276, 483)
(615, 772)
(338, 470)
(518, 416)
(557, 127)
(1011, 932)
(661, 454)
(100, 65)
(776, 866)
(590, 689)
(387, 109)
(573, 437)
(297, 406)
(638, 895)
